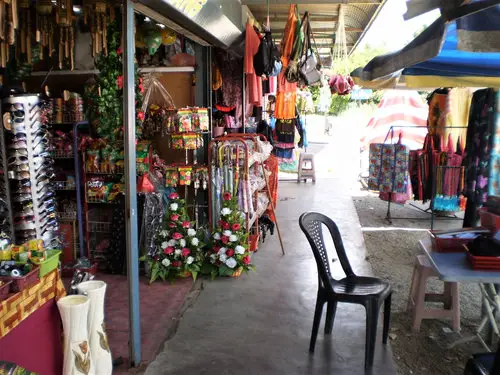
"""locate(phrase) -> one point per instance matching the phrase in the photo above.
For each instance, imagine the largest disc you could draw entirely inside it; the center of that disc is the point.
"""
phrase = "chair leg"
(413, 288)
(330, 316)
(317, 319)
(387, 318)
(419, 308)
(371, 332)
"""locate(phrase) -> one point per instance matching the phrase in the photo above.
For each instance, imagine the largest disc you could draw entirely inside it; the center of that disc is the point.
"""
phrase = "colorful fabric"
(254, 83)
(272, 166)
(289, 35)
(19, 306)
(388, 170)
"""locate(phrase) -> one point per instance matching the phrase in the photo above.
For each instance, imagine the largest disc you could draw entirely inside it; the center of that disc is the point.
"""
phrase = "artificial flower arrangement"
(179, 246)
(229, 254)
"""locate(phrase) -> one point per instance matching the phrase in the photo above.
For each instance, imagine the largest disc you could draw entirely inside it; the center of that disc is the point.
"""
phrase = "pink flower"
(176, 263)
(141, 115)
(225, 240)
(226, 196)
(168, 250)
(229, 252)
(216, 249)
(225, 225)
(236, 227)
(119, 82)
(171, 225)
(186, 224)
(174, 217)
(119, 51)
(246, 260)
(185, 252)
(141, 88)
(173, 196)
(176, 236)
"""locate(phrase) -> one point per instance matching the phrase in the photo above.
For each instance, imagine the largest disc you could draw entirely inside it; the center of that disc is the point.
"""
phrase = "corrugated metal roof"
(324, 18)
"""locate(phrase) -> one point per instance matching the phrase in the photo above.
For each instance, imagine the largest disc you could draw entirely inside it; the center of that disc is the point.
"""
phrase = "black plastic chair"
(484, 364)
(367, 291)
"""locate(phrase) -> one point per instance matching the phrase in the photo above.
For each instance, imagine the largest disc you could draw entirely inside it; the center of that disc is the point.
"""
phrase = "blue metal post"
(79, 183)
(130, 183)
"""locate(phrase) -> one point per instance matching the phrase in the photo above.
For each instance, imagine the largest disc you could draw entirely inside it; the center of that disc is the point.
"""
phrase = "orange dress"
(289, 35)
(254, 83)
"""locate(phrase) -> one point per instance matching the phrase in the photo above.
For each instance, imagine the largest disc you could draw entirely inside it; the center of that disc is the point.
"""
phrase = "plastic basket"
(20, 283)
(4, 290)
(50, 263)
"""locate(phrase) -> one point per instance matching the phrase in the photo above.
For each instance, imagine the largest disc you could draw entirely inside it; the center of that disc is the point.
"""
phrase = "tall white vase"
(74, 311)
(99, 347)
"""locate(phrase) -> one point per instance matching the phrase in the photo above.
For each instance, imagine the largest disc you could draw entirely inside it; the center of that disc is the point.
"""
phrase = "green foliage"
(104, 97)
(339, 104)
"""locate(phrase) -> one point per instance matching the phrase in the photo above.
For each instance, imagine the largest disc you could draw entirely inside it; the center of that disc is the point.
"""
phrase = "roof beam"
(298, 2)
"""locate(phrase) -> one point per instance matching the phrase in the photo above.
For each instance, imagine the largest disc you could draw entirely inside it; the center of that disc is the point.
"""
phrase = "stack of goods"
(101, 191)
(30, 170)
(22, 265)
(172, 121)
(186, 175)
(68, 109)
(103, 158)
(63, 144)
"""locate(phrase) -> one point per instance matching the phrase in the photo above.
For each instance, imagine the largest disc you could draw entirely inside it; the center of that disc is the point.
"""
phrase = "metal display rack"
(25, 116)
(5, 188)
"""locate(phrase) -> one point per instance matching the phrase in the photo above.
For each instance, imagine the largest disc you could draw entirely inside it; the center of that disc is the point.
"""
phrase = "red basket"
(20, 283)
(253, 240)
(4, 290)
(450, 245)
(483, 263)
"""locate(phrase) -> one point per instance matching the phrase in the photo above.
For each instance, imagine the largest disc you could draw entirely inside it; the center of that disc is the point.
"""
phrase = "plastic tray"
(450, 245)
(50, 263)
(489, 219)
(20, 283)
(483, 263)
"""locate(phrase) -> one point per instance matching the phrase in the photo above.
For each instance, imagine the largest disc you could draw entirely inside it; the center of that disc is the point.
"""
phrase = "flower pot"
(237, 272)
(74, 311)
(184, 275)
(98, 340)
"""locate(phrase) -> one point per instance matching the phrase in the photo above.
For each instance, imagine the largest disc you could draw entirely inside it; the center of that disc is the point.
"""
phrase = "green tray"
(50, 263)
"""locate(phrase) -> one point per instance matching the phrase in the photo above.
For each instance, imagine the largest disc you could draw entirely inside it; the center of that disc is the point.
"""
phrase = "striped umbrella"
(403, 109)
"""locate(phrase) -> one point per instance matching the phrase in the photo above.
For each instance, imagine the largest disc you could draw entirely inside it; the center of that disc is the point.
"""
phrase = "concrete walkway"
(260, 323)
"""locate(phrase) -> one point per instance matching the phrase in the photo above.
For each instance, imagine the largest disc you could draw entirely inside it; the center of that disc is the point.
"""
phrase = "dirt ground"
(391, 255)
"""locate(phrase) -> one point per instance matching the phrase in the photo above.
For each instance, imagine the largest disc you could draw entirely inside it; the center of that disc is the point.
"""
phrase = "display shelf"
(159, 69)
(99, 227)
(66, 216)
(61, 154)
(64, 185)
(118, 173)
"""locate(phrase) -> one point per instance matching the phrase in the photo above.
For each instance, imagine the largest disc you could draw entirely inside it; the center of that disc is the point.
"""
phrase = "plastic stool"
(305, 173)
(422, 270)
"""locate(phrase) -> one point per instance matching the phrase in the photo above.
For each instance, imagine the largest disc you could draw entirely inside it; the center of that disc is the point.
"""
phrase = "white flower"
(191, 232)
(164, 233)
(233, 238)
(222, 250)
(226, 211)
(174, 207)
(227, 233)
(217, 236)
(182, 242)
(231, 262)
(164, 244)
(172, 243)
(195, 241)
(178, 251)
(189, 260)
(166, 262)
(213, 257)
(222, 257)
(239, 249)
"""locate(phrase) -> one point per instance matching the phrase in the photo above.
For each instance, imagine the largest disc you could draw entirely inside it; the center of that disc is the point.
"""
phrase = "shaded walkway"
(260, 323)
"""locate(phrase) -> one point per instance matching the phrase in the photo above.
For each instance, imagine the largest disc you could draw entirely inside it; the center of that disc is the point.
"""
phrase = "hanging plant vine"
(104, 96)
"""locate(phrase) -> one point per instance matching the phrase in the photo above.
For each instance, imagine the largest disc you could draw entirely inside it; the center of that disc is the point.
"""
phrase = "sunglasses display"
(27, 160)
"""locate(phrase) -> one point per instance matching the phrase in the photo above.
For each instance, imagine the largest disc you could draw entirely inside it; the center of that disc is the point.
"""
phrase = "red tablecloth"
(36, 343)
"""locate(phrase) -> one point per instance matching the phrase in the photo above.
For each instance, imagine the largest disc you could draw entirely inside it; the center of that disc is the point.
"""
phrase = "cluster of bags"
(304, 67)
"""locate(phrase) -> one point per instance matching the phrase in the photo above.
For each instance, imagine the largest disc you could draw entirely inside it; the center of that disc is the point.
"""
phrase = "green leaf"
(194, 274)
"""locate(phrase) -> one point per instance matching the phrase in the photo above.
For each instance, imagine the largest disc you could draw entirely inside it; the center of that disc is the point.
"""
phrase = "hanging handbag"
(309, 66)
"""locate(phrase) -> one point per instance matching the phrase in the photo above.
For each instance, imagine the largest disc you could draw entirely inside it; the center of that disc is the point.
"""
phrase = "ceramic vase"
(74, 311)
(95, 290)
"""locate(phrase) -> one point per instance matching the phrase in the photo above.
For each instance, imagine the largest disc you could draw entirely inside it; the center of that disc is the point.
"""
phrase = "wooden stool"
(305, 173)
(416, 300)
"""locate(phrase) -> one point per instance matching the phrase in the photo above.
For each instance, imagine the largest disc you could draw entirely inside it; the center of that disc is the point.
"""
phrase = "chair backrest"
(311, 224)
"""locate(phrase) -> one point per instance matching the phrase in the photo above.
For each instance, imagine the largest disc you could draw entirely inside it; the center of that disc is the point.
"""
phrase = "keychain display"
(186, 175)
(171, 121)
(186, 141)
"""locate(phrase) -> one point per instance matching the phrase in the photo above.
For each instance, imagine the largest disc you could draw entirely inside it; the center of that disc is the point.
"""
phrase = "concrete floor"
(260, 323)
